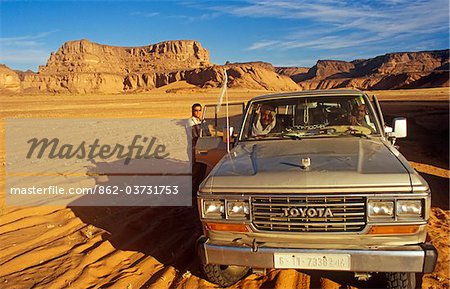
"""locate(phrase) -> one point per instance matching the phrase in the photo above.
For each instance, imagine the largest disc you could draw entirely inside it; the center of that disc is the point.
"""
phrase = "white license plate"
(312, 261)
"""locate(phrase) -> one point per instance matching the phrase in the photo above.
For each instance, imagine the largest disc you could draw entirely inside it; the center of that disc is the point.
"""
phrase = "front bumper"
(417, 258)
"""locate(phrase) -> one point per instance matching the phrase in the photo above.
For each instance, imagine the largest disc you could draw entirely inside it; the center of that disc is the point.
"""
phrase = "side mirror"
(399, 128)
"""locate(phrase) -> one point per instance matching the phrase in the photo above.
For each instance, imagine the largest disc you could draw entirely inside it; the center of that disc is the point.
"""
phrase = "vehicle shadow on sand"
(167, 233)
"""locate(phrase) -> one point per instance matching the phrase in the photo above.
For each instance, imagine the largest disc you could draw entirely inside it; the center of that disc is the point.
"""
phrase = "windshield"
(315, 116)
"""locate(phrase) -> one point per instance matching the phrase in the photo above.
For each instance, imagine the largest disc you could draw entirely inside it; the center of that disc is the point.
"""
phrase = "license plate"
(312, 261)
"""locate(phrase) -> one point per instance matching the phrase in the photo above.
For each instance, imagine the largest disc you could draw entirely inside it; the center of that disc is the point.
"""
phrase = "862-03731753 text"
(97, 190)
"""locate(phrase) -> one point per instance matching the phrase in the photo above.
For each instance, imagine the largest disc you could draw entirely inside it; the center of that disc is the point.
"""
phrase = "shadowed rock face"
(297, 74)
(389, 71)
(331, 69)
(405, 62)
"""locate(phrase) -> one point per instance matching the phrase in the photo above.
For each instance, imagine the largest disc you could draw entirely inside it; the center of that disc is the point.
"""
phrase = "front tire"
(401, 280)
(224, 275)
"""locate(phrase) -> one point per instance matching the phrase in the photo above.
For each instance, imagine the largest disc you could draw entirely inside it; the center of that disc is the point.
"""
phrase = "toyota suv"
(312, 180)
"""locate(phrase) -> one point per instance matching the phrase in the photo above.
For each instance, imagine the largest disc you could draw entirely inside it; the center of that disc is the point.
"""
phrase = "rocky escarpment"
(297, 74)
(403, 62)
(9, 80)
(85, 67)
(84, 56)
(242, 75)
(389, 71)
(330, 69)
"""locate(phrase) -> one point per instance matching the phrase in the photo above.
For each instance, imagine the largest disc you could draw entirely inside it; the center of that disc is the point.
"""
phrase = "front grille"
(309, 213)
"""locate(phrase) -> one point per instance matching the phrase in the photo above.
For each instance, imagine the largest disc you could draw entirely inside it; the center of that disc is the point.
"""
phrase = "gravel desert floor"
(154, 247)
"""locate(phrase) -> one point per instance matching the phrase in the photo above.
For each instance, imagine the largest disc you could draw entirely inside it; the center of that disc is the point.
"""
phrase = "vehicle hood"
(336, 164)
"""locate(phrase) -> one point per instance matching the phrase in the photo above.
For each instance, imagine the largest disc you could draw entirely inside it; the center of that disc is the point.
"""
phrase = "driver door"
(210, 147)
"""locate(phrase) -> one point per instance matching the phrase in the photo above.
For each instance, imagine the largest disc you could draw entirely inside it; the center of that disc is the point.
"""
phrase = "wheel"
(397, 280)
(224, 275)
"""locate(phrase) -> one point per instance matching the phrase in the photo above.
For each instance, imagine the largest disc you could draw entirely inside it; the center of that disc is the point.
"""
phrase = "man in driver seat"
(358, 116)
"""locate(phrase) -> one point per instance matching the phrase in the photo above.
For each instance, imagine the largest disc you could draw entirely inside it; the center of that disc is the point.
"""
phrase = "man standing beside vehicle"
(197, 125)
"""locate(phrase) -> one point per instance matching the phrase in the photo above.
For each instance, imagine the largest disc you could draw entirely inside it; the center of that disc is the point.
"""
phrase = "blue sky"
(284, 33)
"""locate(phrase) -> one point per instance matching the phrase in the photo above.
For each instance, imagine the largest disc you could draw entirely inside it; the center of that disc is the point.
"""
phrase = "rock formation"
(241, 75)
(389, 71)
(84, 56)
(85, 67)
(9, 80)
(297, 74)
(79, 83)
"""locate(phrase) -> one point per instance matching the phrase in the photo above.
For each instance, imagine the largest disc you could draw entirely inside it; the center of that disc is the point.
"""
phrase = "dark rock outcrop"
(389, 71)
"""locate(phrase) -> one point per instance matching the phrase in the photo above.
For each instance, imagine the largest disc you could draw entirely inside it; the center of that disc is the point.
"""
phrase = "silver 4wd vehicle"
(313, 181)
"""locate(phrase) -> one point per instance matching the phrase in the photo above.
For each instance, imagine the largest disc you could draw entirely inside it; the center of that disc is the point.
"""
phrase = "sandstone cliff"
(9, 80)
(330, 69)
(79, 83)
(297, 74)
(85, 67)
(403, 62)
(389, 71)
(83, 56)
(250, 76)
(242, 75)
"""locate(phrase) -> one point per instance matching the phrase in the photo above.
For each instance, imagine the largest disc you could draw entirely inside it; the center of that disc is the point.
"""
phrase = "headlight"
(381, 209)
(409, 208)
(213, 209)
(237, 209)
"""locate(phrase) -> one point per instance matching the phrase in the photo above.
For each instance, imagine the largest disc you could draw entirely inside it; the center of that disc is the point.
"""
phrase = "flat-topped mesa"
(83, 56)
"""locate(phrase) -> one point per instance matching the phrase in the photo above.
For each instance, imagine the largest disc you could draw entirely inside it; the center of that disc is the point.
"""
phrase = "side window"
(367, 118)
(216, 121)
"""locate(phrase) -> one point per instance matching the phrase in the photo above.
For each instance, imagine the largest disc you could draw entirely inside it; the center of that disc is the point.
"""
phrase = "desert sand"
(153, 247)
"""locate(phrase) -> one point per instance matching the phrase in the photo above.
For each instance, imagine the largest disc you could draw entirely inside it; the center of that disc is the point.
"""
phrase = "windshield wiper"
(309, 133)
(292, 136)
(262, 137)
(356, 133)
